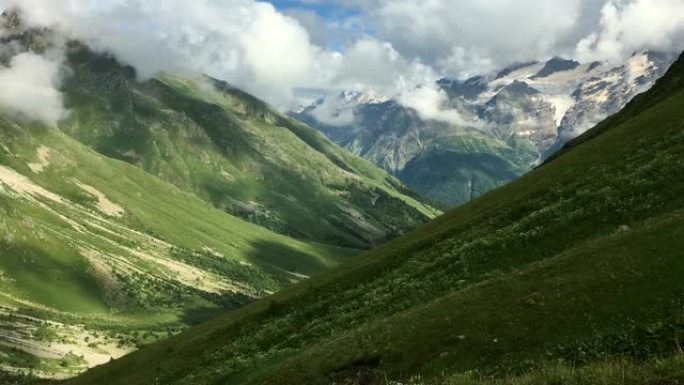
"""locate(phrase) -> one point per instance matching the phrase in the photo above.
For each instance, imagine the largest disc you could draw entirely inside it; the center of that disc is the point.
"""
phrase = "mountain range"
(569, 275)
(156, 203)
(505, 123)
(178, 230)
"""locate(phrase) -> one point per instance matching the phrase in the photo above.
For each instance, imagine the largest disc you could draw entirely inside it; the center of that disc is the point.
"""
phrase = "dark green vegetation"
(668, 371)
(578, 262)
(20, 379)
(236, 152)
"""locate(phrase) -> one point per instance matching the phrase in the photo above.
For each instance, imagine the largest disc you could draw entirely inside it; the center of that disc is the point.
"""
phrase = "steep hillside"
(97, 256)
(236, 152)
(510, 120)
(576, 264)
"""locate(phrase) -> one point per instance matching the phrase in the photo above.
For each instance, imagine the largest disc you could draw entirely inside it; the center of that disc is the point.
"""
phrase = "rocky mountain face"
(510, 120)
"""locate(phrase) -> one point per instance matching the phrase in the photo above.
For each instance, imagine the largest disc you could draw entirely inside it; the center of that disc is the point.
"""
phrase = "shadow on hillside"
(193, 317)
(281, 261)
(57, 277)
(284, 261)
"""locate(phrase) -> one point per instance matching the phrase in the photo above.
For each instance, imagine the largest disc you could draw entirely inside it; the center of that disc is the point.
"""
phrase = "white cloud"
(389, 46)
(317, 27)
(245, 42)
(431, 103)
(29, 87)
(329, 112)
(628, 26)
(461, 36)
(465, 63)
(372, 65)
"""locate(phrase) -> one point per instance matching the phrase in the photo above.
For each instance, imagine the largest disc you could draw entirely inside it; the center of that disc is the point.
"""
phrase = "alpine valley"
(160, 226)
(155, 204)
(571, 274)
(506, 122)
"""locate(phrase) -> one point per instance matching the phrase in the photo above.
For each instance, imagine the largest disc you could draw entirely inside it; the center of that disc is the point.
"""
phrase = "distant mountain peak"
(554, 65)
(593, 65)
(530, 117)
(518, 88)
(358, 97)
(514, 67)
(469, 89)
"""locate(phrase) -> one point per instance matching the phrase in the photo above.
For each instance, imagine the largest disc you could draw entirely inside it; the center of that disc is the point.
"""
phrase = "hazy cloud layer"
(465, 36)
(29, 87)
(431, 103)
(327, 112)
(243, 41)
(389, 46)
(626, 27)
(29, 82)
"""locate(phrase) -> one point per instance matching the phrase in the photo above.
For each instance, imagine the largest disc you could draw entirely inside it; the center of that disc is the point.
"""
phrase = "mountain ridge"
(577, 262)
(533, 123)
(241, 140)
(139, 212)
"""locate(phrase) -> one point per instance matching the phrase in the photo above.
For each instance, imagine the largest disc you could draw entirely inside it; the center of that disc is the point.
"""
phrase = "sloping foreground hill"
(236, 152)
(578, 261)
(97, 256)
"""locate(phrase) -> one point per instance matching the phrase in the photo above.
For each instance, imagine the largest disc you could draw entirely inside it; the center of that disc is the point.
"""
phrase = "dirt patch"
(67, 340)
(106, 206)
(24, 186)
(43, 154)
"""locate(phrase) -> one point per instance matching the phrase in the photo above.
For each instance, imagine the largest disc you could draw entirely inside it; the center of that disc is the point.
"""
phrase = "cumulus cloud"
(628, 26)
(459, 37)
(373, 65)
(470, 37)
(431, 103)
(386, 46)
(250, 44)
(330, 113)
(245, 42)
(318, 28)
(29, 87)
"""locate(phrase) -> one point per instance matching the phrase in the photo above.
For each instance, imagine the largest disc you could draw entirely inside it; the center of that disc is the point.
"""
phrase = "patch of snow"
(561, 103)
(639, 66)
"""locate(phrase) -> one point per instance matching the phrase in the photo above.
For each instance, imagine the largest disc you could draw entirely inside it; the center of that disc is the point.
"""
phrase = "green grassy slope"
(236, 152)
(578, 261)
(85, 239)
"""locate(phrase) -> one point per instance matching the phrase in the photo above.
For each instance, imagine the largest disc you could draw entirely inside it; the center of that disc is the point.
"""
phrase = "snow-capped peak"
(349, 98)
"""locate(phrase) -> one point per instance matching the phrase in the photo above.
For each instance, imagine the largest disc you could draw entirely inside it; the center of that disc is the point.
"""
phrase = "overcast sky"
(273, 48)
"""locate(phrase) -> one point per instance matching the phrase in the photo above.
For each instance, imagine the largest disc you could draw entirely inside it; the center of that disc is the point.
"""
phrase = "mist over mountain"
(131, 209)
(306, 192)
(454, 140)
(569, 275)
